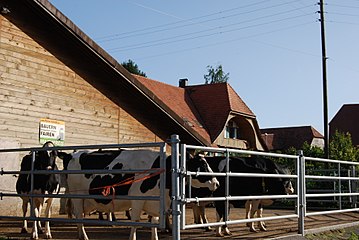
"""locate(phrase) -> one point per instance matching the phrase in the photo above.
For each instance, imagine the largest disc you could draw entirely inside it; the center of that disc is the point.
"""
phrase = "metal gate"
(300, 197)
(11, 193)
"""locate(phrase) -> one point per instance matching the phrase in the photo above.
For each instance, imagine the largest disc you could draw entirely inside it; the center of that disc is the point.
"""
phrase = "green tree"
(132, 67)
(341, 147)
(216, 75)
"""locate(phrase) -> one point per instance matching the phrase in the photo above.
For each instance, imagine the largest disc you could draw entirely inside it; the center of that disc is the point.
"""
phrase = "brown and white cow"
(94, 184)
(43, 184)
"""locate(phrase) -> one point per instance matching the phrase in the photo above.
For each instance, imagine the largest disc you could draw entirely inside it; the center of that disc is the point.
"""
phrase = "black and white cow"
(95, 184)
(199, 214)
(256, 206)
(43, 184)
(248, 186)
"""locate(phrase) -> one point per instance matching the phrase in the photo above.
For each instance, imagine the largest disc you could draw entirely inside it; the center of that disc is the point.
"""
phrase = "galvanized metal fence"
(180, 176)
(300, 197)
(161, 148)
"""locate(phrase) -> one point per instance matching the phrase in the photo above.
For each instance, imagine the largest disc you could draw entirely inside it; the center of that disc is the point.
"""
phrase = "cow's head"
(288, 187)
(46, 160)
(199, 164)
(280, 185)
(287, 183)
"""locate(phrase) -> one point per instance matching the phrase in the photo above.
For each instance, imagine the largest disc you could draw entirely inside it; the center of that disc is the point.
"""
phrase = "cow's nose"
(216, 184)
(290, 190)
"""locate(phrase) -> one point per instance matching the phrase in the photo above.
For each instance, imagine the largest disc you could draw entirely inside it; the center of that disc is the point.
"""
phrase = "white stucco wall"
(9, 162)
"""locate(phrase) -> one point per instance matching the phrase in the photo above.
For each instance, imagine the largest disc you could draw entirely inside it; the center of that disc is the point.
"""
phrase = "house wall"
(248, 136)
(34, 84)
(318, 142)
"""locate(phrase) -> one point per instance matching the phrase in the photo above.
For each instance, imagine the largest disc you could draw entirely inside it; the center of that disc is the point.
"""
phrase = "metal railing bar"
(331, 177)
(331, 161)
(85, 147)
(332, 211)
(232, 174)
(233, 198)
(191, 226)
(83, 196)
(85, 221)
(212, 149)
(86, 171)
(309, 195)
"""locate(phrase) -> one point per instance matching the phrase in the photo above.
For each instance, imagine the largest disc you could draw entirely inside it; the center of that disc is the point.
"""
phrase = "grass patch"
(340, 234)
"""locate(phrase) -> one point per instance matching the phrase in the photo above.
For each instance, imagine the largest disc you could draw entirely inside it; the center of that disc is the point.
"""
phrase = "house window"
(232, 130)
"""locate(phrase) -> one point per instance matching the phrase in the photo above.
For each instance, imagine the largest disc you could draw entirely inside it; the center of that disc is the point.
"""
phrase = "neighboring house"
(215, 112)
(286, 137)
(346, 121)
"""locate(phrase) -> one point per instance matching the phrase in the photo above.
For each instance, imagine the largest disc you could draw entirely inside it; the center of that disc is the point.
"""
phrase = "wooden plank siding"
(34, 84)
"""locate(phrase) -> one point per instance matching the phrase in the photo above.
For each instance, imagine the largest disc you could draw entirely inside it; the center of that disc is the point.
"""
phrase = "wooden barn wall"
(34, 84)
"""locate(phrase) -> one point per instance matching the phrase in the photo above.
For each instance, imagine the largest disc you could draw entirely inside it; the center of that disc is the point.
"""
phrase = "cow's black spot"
(97, 160)
(118, 166)
(150, 183)
(99, 183)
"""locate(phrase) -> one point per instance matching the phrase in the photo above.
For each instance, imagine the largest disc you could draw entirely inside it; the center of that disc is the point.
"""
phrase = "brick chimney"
(183, 82)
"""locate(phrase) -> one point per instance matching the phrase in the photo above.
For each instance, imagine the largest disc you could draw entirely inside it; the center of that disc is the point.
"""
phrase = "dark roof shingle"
(286, 137)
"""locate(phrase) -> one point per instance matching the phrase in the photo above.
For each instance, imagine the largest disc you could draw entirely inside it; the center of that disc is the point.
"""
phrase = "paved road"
(285, 229)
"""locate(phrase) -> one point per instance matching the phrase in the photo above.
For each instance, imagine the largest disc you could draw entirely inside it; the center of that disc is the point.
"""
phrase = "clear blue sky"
(270, 48)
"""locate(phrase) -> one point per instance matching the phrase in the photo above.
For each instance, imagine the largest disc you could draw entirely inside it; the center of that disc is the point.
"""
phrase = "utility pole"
(325, 84)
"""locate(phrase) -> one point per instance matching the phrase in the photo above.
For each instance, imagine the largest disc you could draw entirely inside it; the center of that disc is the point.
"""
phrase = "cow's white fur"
(38, 203)
(131, 159)
(252, 206)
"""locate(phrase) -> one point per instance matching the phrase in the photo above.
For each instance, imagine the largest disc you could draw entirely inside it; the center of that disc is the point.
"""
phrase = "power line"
(163, 41)
(341, 22)
(190, 22)
(174, 23)
(343, 6)
(229, 41)
(343, 14)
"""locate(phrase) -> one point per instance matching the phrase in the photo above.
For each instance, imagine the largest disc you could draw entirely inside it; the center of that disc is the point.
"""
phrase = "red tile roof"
(205, 108)
(176, 99)
(214, 102)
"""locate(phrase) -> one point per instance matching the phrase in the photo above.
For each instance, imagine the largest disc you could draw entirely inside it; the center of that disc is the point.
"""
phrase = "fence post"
(226, 204)
(32, 203)
(301, 205)
(176, 200)
(353, 188)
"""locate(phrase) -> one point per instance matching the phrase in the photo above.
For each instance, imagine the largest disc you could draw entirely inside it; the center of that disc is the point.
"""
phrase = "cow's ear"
(189, 155)
(64, 156)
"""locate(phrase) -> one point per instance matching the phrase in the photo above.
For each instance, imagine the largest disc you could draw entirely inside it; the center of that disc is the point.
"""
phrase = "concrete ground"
(285, 229)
